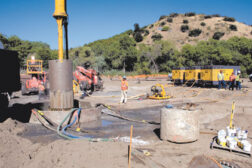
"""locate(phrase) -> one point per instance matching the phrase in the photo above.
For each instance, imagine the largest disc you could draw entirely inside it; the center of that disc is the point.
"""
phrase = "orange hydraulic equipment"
(88, 79)
(158, 92)
(34, 76)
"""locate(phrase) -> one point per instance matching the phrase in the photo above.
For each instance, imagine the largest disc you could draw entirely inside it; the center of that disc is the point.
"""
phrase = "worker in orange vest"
(124, 89)
(41, 89)
(232, 81)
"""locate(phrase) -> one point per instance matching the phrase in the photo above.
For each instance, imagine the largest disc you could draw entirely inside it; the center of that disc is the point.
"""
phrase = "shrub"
(194, 33)
(162, 24)
(173, 15)
(146, 32)
(184, 28)
(229, 19)
(185, 21)
(169, 19)
(162, 17)
(218, 35)
(207, 16)
(251, 32)
(165, 28)
(215, 15)
(138, 37)
(233, 27)
(156, 37)
(190, 14)
(203, 24)
(151, 26)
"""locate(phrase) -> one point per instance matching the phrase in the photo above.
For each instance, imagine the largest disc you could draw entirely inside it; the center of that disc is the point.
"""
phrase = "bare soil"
(25, 145)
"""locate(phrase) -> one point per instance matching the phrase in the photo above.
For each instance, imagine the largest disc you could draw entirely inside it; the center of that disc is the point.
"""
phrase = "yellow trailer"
(178, 75)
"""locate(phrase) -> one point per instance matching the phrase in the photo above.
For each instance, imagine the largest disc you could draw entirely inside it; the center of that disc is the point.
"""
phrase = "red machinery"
(88, 79)
(34, 76)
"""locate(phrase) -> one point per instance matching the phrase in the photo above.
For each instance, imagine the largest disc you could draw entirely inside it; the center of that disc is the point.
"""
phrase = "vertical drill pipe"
(66, 37)
(60, 38)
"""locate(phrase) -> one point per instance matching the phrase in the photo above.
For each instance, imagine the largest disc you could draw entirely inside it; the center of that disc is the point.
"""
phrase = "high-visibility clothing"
(232, 78)
(220, 76)
(41, 87)
(124, 85)
(237, 78)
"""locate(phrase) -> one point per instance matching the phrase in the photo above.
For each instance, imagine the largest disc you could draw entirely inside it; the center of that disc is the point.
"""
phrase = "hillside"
(169, 27)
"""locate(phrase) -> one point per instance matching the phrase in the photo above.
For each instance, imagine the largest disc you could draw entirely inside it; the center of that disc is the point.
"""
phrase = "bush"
(151, 26)
(165, 28)
(190, 14)
(162, 24)
(203, 24)
(138, 37)
(169, 19)
(184, 28)
(173, 15)
(146, 32)
(251, 32)
(218, 35)
(194, 33)
(215, 15)
(185, 21)
(229, 19)
(233, 27)
(207, 16)
(156, 37)
(162, 17)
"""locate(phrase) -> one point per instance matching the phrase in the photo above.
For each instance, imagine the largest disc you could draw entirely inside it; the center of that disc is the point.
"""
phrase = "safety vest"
(124, 85)
(220, 76)
(237, 78)
(41, 87)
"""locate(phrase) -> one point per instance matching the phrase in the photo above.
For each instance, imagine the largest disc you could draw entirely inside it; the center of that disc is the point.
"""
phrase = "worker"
(41, 89)
(232, 81)
(124, 89)
(238, 82)
(221, 80)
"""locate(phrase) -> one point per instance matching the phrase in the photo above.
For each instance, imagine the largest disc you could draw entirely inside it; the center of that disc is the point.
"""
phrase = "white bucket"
(244, 134)
(246, 146)
(231, 143)
(222, 133)
(231, 132)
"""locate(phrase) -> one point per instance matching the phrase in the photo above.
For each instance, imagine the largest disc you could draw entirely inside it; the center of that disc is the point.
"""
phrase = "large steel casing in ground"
(61, 85)
(178, 125)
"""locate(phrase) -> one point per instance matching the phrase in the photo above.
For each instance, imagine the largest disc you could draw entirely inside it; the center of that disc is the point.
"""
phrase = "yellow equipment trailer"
(178, 75)
(202, 75)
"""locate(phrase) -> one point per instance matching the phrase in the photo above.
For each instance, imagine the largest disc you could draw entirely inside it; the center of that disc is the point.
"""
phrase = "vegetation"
(169, 19)
(173, 15)
(137, 34)
(157, 37)
(218, 35)
(162, 17)
(162, 24)
(194, 33)
(26, 48)
(203, 24)
(151, 26)
(165, 28)
(216, 15)
(184, 28)
(208, 17)
(185, 21)
(229, 19)
(233, 27)
(190, 14)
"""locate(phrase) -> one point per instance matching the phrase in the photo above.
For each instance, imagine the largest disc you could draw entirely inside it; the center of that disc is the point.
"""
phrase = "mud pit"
(32, 145)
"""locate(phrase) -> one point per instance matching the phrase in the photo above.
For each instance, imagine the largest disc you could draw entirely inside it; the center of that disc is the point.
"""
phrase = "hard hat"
(238, 72)
(124, 77)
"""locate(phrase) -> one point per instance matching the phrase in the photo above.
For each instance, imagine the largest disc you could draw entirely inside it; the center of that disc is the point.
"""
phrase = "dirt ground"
(25, 145)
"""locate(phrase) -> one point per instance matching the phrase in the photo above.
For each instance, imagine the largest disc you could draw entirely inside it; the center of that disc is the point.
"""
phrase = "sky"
(91, 20)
